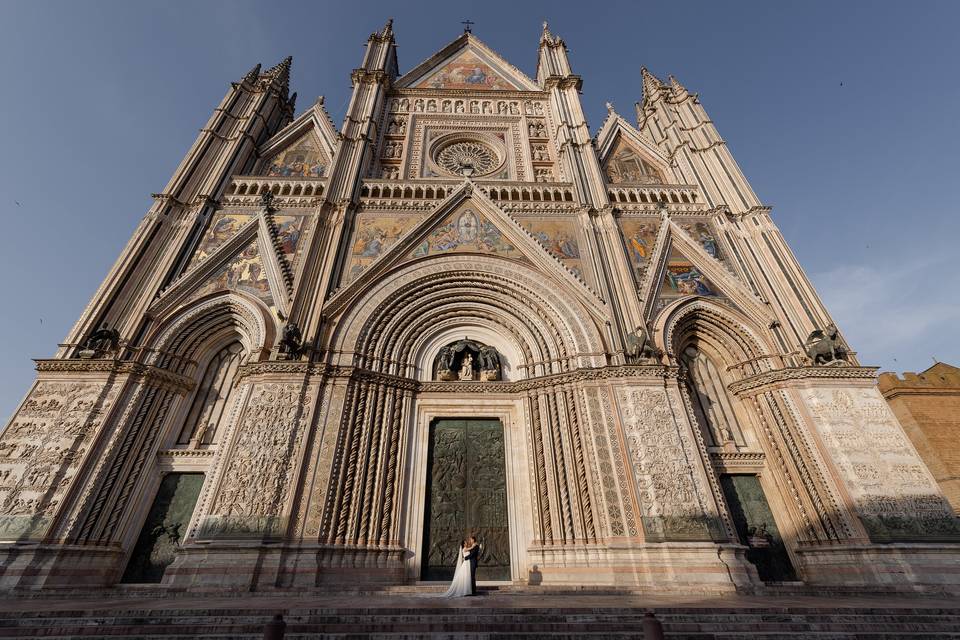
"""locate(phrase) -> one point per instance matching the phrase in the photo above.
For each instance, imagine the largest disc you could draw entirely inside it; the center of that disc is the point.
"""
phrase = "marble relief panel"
(374, 234)
(672, 497)
(891, 488)
(559, 237)
(41, 451)
(258, 478)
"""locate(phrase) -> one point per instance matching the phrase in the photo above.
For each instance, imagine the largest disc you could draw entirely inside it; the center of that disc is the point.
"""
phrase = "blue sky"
(843, 116)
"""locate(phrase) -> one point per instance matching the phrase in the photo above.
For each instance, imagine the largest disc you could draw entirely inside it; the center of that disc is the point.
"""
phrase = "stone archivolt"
(318, 471)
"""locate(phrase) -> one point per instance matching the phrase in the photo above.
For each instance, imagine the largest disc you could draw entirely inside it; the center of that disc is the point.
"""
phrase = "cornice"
(149, 374)
(760, 381)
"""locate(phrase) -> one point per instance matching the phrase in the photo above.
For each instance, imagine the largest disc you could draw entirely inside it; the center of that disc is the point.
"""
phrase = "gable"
(303, 158)
(467, 64)
(625, 164)
(245, 273)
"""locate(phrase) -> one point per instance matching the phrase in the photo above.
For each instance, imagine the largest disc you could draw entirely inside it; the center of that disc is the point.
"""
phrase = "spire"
(678, 88)
(280, 74)
(651, 84)
(386, 33)
(546, 37)
(252, 75)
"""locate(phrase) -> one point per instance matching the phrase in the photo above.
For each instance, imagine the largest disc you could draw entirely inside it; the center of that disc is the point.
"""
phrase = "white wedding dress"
(460, 586)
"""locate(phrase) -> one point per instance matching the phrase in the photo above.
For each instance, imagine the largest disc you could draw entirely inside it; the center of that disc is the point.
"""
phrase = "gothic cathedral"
(326, 356)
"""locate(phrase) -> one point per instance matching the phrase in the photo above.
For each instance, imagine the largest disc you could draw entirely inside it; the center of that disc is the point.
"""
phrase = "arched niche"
(427, 352)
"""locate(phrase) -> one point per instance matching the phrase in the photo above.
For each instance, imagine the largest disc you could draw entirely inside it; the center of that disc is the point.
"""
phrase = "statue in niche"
(445, 364)
(489, 364)
(466, 367)
(823, 347)
(639, 350)
(101, 342)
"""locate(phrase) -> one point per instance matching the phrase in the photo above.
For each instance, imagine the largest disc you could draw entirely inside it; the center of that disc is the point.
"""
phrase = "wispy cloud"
(899, 313)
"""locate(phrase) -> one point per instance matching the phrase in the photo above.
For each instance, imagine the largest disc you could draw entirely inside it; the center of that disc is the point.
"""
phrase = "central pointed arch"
(382, 330)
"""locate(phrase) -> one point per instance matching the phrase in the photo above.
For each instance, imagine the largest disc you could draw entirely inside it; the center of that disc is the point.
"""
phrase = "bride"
(462, 580)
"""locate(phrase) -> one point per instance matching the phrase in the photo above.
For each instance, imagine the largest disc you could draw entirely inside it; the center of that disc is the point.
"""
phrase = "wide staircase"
(500, 615)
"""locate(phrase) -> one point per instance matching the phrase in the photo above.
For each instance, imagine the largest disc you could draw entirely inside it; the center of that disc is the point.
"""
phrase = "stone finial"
(281, 73)
(610, 109)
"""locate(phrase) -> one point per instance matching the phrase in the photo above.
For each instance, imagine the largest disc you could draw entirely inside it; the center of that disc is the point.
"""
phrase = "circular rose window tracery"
(467, 158)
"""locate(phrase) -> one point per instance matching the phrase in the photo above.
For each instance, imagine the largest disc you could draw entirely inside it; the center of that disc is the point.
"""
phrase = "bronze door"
(466, 494)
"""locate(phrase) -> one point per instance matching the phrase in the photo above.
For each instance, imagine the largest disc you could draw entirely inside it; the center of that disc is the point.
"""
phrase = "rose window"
(467, 158)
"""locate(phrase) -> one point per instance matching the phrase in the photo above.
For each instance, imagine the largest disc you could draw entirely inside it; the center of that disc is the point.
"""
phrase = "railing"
(676, 194)
(278, 186)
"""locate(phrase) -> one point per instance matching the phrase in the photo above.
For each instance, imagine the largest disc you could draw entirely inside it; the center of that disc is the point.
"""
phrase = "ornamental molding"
(148, 374)
(760, 381)
(187, 453)
(730, 459)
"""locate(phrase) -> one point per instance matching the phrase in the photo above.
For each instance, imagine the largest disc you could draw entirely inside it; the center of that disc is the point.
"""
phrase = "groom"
(473, 557)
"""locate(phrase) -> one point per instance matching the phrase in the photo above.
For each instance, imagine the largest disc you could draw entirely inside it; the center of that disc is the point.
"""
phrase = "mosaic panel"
(466, 71)
(224, 226)
(466, 231)
(640, 236)
(625, 165)
(291, 230)
(560, 238)
(244, 273)
(302, 159)
(702, 232)
(372, 237)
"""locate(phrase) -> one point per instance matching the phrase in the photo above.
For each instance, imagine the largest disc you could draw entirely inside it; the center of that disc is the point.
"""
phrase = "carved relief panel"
(674, 501)
(892, 490)
(258, 474)
(41, 451)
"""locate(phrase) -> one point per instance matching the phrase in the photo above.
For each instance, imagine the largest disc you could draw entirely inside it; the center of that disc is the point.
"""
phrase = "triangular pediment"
(245, 272)
(302, 149)
(627, 161)
(467, 64)
(466, 222)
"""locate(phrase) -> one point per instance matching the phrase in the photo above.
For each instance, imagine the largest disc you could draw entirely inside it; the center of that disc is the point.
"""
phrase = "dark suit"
(472, 557)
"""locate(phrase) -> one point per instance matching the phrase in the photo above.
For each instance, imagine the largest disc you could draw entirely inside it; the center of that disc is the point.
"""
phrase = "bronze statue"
(291, 342)
(823, 346)
(103, 340)
(638, 349)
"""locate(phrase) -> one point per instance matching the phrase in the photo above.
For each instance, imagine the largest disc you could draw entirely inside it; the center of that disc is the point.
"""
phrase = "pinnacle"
(651, 83)
(281, 73)
(252, 75)
(676, 86)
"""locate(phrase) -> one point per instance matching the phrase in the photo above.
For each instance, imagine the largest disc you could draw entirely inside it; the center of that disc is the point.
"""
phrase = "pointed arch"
(385, 328)
(184, 335)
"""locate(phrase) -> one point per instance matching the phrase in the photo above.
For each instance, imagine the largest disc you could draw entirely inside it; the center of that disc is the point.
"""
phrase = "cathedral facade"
(328, 355)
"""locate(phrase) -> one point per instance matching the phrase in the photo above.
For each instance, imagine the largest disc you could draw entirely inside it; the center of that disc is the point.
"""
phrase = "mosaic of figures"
(703, 233)
(257, 479)
(465, 231)
(303, 159)
(682, 278)
(372, 237)
(468, 70)
(41, 450)
(640, 236)
(894, 493)
(244, 273)
(559, 237)
(626, 165)
(224, 226)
